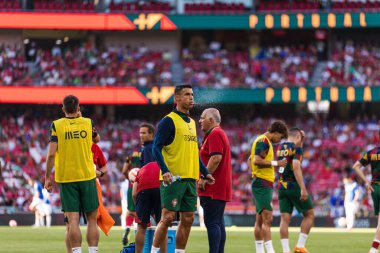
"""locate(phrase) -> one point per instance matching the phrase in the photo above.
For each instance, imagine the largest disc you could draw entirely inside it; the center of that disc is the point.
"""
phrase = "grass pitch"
(239, 240)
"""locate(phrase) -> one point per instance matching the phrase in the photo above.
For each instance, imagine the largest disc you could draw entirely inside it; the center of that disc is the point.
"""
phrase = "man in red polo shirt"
(146, 194)
(216, 154)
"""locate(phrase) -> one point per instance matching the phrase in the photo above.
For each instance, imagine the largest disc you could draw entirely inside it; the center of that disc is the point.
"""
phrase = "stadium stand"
(86, 66)
(353, 65)
(275, 66)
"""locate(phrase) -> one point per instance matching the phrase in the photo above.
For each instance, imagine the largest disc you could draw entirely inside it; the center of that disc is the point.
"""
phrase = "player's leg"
(188, 206)
(376, 205)
(157, 211)
(267, 216)
(41, 214)
(286, 209)
(184, 228)
(71, 200)
(306, 225)
(48, 211)
(307, 209)
(263, 197)
(161, 233)
(67, 239)
(74, 234)
(258, 232)
(140, 237)
(90, 204)
(144, 206)
(284, 231)
(131, 214)
(128, 225)
(171, 195)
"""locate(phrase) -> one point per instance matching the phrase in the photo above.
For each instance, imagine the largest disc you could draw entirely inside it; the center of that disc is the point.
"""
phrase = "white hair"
(213, 113)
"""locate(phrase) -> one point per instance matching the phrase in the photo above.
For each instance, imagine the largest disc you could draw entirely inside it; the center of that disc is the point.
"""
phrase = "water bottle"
(173, 178)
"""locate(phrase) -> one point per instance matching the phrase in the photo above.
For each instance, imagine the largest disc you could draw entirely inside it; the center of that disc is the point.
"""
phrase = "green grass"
(239, 240)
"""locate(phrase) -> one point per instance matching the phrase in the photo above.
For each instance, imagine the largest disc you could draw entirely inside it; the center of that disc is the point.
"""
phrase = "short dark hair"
(294, 131)
(279, 127)
(150, 127)
(179, 88)
(70, 104)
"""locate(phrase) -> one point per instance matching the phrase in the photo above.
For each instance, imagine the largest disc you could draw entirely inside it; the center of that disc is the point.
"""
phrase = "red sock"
(129, 220)
(375, 244)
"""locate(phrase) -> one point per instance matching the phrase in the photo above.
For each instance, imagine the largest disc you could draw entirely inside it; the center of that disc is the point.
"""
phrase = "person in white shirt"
(351, 199)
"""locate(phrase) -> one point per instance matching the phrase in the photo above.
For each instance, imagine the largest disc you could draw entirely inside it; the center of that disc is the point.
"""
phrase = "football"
(132, 174)
(13, 223)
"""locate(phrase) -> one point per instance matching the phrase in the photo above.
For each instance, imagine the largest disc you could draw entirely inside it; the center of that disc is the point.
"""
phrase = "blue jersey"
(37, 190)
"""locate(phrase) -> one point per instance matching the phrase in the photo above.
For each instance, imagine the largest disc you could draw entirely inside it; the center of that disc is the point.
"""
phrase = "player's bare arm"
(357, 168)
(134, 191)
(213, 163)
(53, 147)
(260, 161)
(298, 174)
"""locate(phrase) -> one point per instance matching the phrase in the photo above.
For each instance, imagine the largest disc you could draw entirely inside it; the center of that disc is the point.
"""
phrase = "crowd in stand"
(212, 66)
(331, 148)
(353, 65)
(277, 66)
(85, 66)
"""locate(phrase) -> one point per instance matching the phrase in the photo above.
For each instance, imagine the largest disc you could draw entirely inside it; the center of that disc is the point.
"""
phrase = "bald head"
(210, 118)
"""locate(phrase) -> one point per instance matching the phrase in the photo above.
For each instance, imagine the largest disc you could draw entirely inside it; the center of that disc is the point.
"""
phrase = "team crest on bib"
(174, 202)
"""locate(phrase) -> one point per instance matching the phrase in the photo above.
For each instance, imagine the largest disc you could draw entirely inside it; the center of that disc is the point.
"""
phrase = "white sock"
(259, 247)
(77, 250)
(285, 245)
(302, 240)
(154, 249)
(179, 251)
(269, 246)
(92, 249)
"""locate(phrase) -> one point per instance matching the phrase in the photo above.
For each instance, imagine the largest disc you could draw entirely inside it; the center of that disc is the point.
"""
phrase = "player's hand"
(210, 179)
(48, 185)
(304, 195)
(369, 187)
(167, 177)
(202, 184)
(282, 163)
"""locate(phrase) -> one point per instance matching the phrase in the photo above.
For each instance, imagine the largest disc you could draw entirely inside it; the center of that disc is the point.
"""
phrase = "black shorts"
(148, 202)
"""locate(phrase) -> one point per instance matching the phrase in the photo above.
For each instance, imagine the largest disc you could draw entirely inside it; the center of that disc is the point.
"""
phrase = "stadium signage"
(160, 21)
(165, 95)
(87, 95)
(270, 95)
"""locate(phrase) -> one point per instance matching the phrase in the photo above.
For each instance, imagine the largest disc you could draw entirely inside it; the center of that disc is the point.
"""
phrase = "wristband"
(274, 163)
